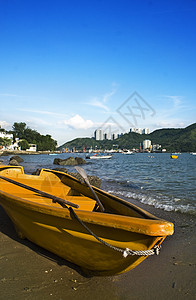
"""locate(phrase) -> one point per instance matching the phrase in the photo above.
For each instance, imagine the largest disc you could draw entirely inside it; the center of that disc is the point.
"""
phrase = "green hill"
(180, 139)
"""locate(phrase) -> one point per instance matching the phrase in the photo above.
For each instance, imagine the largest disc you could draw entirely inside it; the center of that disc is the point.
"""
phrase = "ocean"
(151, 178)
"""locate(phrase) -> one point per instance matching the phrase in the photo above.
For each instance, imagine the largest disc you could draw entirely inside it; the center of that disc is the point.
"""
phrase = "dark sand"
(29, 272)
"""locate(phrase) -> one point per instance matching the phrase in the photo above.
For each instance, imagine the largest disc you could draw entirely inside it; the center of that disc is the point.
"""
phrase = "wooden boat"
(174, 156)
(104, 243)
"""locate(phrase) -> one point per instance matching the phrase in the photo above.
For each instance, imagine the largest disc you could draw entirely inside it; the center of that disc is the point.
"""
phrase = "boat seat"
(84, 203)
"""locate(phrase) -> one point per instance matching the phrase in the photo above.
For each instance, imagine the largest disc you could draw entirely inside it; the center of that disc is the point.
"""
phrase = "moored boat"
(97, 156)
(105, 243)
(127, 152)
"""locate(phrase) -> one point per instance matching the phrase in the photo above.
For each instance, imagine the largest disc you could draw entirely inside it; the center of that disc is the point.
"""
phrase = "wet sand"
(30, 272)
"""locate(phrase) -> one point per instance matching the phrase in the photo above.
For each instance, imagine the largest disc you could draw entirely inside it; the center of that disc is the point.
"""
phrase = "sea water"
(151, 178)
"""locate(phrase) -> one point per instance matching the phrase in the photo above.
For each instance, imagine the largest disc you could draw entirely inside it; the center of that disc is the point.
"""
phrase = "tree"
(44, 142)
(24, 145)
(19, 129)
(5, 142)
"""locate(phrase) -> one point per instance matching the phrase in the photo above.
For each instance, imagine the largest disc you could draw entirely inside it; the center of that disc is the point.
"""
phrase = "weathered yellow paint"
(51, 226)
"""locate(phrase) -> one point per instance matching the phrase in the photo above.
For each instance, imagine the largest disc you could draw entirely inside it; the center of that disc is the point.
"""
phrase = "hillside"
(180, 139)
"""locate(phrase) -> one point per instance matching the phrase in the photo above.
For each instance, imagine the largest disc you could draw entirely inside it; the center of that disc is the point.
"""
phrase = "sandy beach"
(30, 272)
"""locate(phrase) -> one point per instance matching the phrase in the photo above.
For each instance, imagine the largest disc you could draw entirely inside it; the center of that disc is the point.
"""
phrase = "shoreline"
(30, 272)
(23, 152)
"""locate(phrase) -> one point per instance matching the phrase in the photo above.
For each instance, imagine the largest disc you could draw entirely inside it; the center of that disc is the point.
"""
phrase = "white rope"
(153, 251)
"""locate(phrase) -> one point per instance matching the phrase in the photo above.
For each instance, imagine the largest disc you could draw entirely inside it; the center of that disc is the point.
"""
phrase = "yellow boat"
(174, 156)
(104, 243)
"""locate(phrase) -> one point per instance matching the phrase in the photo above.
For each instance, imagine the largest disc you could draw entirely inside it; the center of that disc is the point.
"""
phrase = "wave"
(158, 201)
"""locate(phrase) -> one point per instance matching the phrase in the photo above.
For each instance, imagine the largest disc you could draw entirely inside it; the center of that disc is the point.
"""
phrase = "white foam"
(158, 201)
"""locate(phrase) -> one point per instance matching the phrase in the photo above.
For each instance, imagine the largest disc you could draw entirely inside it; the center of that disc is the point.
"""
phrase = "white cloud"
(4, 124)
(107, 96)
(176, 100)
(77, 122)
(97, 103)
(100, 102)
(43, 112)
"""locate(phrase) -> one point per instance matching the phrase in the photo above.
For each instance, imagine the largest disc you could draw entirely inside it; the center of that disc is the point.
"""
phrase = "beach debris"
(173, 285)
(27, 289)
(78, 284)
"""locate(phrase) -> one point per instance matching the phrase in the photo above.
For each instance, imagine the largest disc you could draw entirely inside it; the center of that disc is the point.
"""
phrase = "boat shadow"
(7, 228)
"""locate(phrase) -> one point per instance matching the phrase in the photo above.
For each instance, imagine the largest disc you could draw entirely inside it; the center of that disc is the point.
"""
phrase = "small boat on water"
(174, 156)
(128, 152)
(97, 156)
(59, 213)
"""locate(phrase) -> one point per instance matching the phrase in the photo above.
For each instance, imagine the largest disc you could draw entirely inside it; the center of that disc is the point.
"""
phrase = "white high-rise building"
(98, 134)
(114, 136)
(146, 144)
(145, 131)
(139, 130)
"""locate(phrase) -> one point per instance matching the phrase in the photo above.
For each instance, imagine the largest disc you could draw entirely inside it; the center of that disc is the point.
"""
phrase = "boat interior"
(68, 188)
(46, 182)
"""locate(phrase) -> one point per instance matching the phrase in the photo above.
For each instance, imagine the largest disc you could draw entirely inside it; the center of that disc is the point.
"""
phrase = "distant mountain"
(173, 139)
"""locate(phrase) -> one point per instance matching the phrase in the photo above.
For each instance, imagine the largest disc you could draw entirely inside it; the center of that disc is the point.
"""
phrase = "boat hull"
(57, 230)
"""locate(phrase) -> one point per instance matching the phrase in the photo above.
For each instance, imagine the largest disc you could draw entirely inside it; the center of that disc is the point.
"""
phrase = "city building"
(145, 131)
(140, 130)
(105, 136)
(98, 134)
(146, 144)
(114, 136)
(4, 134)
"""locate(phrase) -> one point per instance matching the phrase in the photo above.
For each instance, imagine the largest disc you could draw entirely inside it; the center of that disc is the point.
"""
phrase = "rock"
(80, 161)
(57, 161)
(71, 161)
(94, 180)
(17, 158)
(14, 162)
(37, 172)
(61, 170)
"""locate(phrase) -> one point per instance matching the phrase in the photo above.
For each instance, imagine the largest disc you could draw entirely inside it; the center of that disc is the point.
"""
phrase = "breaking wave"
(158, 201)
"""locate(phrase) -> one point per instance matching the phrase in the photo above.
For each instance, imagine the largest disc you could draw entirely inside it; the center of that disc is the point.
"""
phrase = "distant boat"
(97, 156)
(127, 152)
(174, 156)
(52, 154)
(193, 153)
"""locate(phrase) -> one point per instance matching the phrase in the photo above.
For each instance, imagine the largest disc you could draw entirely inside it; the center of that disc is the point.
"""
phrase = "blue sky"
(66, 67)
